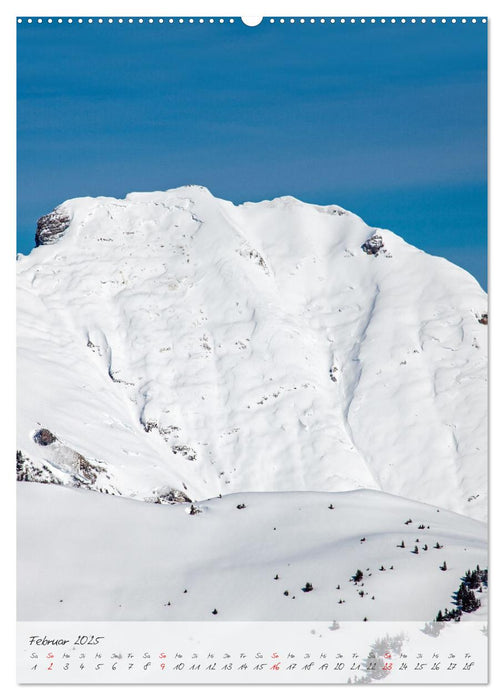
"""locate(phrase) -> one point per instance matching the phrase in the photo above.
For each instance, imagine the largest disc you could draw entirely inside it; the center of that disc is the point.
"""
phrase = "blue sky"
(388, 121)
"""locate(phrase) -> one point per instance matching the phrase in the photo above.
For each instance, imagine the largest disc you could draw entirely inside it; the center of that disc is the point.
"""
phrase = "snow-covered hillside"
(86, 556)
(173, 345)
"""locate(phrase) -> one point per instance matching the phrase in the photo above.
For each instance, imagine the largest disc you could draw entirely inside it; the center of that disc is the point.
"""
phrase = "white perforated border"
(270, 20)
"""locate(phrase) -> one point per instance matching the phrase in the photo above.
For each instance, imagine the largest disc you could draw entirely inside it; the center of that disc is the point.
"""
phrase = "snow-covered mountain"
(247, 556)
(174, 346)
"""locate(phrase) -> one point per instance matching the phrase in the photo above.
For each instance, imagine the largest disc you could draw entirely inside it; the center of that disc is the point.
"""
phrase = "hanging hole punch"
(252, 21)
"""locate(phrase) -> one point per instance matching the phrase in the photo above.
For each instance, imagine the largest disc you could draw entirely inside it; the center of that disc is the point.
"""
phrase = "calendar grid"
(252, 652)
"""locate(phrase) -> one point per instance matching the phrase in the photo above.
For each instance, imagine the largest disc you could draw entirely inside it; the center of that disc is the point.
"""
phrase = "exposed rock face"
(373, 245)
(44, 437)
(171, 496)
(483, 319)
(86, 471)
(185, 451)
(51, 227)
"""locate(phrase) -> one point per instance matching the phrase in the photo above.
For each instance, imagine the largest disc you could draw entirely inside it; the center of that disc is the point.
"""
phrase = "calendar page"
(252, 328)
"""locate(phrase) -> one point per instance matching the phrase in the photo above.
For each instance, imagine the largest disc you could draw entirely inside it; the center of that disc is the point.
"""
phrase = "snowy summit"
(174, 345)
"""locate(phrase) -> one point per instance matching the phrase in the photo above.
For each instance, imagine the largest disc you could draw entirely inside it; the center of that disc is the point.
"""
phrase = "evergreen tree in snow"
(357, 576)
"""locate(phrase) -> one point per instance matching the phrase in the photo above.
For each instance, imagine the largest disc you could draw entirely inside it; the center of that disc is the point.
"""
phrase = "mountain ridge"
(181, 344)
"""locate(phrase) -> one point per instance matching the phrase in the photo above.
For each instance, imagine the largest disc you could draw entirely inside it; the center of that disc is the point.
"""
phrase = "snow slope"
(86, 556)
(175, 344)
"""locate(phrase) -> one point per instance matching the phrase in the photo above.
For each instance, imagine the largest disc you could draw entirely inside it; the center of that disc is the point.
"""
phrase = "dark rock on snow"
(373, 245)
(51, 227)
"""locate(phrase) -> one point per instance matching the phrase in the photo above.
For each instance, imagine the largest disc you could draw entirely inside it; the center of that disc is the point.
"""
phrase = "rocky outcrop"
(373, 245)
(51, 227)
(86, 471)
(255, 256)
(44, 437)
(171, 496)
(185, 451)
